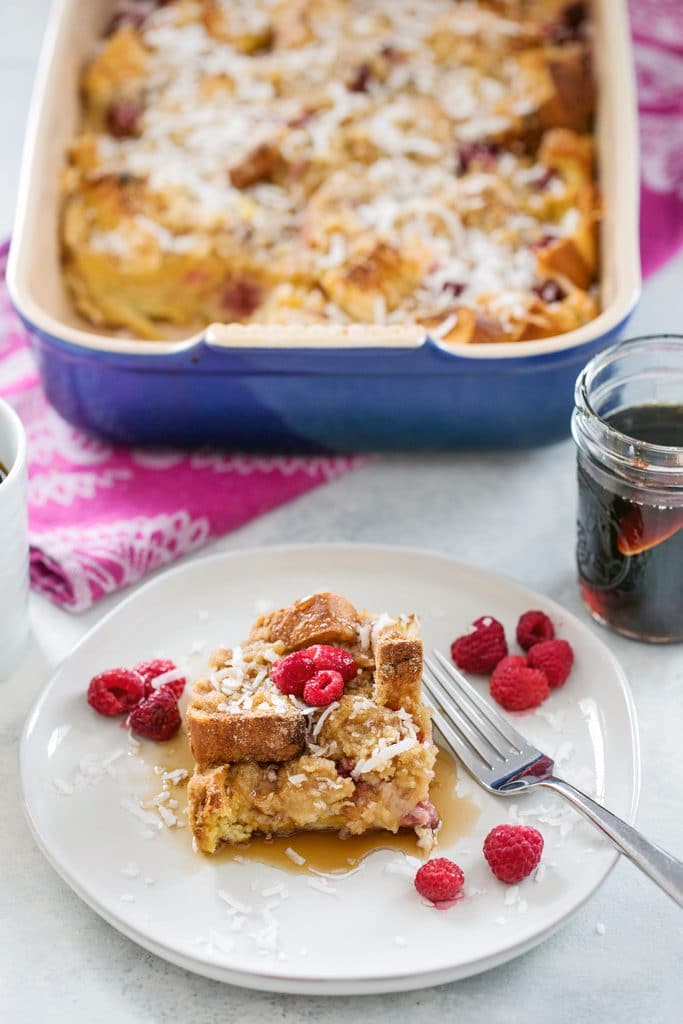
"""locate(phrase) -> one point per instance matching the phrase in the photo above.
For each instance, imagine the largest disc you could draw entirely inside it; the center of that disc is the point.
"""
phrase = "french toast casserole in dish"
(395, 195)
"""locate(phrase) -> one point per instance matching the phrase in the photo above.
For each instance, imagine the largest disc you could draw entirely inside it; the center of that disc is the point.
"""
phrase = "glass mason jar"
(628, 428)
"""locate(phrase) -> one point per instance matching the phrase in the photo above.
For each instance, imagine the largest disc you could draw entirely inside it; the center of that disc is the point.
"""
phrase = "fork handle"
(661, 867)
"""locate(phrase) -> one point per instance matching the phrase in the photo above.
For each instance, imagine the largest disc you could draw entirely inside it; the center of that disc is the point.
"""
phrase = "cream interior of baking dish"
(34, 274)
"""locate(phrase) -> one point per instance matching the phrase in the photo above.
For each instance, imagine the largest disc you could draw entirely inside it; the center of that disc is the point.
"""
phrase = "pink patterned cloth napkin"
(657, 27)
(102, 517)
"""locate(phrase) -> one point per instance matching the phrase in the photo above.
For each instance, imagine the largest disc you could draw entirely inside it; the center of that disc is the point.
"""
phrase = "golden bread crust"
(217, 738)
(398, 677)
(323, 618)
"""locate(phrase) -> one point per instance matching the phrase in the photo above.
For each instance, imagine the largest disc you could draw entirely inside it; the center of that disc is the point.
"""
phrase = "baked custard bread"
(336, 162)
(268, 762)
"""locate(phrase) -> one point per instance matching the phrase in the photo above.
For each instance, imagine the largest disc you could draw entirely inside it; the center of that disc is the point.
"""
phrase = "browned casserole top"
(336, 161)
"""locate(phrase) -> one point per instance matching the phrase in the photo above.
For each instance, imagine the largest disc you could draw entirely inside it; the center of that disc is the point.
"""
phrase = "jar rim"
(625, 453)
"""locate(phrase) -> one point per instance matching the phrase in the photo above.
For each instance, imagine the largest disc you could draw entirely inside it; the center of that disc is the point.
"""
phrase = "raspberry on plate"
(154, 672)
(157, 717)
(439, 880)
(480, 650)
(516, 686)
(325, 656)
(513, 851)
(553, 657)
(534, 627)
(290, 674)
(115, 691)
(323, 688)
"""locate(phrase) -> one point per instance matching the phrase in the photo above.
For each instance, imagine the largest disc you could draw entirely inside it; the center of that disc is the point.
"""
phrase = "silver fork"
(504, 763)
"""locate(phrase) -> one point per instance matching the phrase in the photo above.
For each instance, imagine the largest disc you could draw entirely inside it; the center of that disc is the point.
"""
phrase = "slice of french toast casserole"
(268, 761)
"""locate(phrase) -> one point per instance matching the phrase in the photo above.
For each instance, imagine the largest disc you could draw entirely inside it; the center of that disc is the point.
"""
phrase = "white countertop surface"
(510, 512)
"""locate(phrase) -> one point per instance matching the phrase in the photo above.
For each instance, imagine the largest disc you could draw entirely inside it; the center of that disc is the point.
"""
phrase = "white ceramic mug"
(14, 566)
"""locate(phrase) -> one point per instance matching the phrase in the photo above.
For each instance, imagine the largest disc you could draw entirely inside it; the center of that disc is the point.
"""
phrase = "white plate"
(373, 934)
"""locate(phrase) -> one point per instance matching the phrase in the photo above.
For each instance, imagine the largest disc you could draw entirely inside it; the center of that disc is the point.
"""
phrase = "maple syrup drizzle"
(326, 852)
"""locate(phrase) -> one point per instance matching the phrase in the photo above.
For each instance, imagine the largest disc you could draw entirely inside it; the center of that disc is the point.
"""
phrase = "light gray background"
(510, 512)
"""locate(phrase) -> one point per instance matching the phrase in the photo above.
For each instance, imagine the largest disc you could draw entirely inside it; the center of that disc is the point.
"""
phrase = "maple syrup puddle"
(325, 852)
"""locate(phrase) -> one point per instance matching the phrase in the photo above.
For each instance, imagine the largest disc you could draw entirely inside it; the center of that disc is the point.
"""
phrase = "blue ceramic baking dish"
(267, 399)
(326, 389)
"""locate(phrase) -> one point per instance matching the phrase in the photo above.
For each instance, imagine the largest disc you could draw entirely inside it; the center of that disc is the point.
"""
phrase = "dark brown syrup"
(630, 553)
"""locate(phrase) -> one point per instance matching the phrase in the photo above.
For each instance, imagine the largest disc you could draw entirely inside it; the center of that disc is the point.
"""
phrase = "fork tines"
(486, 743)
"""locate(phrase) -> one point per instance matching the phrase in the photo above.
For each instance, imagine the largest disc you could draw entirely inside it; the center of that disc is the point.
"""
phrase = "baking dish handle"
(315, 336)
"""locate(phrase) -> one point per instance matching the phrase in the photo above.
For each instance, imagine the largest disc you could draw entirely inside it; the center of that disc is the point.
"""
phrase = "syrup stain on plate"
(325, 852)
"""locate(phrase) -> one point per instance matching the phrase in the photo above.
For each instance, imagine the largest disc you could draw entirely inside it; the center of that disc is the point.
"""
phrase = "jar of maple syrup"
(628, 428)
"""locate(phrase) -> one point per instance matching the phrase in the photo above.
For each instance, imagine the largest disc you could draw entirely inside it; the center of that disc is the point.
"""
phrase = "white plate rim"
(264, 980)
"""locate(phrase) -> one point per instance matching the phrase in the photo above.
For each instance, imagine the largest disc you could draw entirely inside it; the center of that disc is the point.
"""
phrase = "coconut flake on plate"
(295, 857)
(235, 906)
(277, 889)
(320, 885)
(511, 896)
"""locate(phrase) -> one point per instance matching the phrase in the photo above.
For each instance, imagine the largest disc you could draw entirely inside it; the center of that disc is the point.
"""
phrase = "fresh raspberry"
(480, 650)
(157, 717)
(513, 851)
(439, 879)
(483, 154)
(323, 688)
(324, 656)
(151, 670)
(554, 658)
(123, 118)
(290, 674)
(115, 691)
(516, 686)
(345, 766)
(533, 628)
(128, 16)
(549, 291)
(360, 78)
(423, 815)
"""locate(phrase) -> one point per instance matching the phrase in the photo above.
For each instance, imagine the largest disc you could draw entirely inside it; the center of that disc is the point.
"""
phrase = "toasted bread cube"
(398, 680)
(575, 256)
(560, 82)
(263, 163)
(398, 667)
(570, 154)
(117, 72)
(262, 733)
(247, 31)
(469, 326)
(319, 619)
(548, 319)
(461, 321)
(562, 257)
(380, 278)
